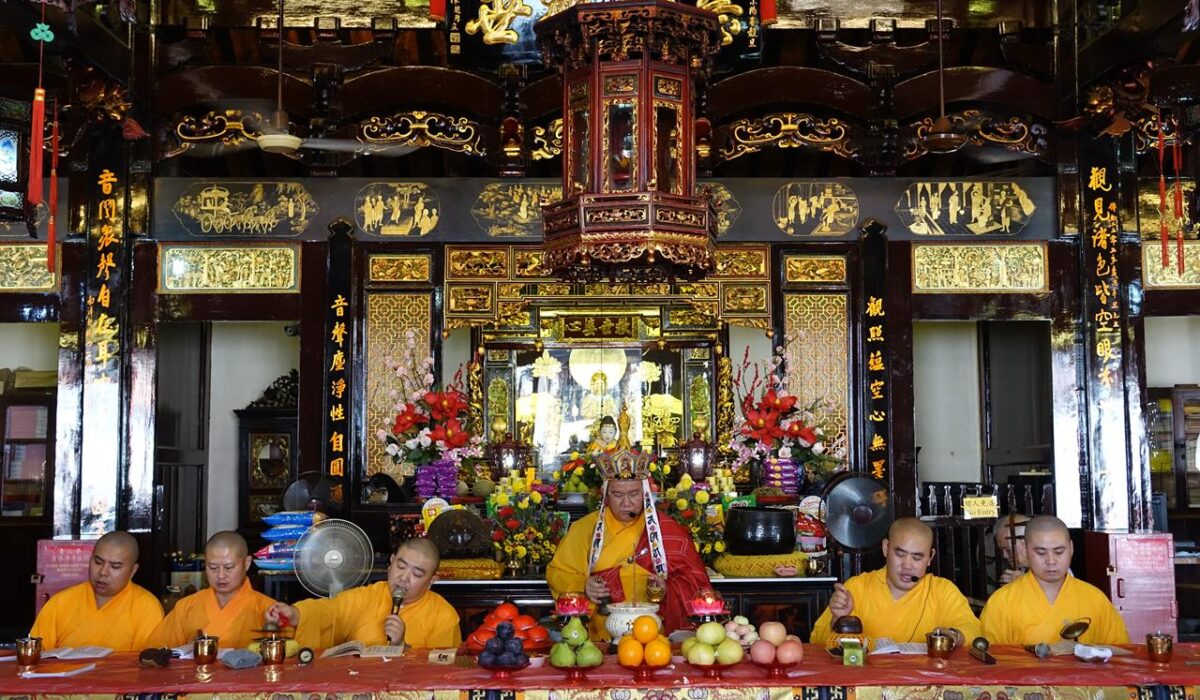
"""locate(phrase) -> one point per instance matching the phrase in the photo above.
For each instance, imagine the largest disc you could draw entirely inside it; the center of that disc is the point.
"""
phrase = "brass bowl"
(939, 645)
(1159, 647)
(273, 651)
(204, 650)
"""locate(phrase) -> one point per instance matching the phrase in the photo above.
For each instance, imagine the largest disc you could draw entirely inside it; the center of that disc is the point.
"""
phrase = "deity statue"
(607, 439)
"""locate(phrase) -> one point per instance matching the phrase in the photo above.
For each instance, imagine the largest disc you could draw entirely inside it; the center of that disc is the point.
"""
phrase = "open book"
(883, 645)
(355, 648)
(70, 654)
(57, 670)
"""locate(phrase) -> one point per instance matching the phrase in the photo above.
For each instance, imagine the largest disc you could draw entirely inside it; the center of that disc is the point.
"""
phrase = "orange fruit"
(645, 629)
(630, 651)
(505, 611)
(658, 653)
(539, 634)
(524, 622)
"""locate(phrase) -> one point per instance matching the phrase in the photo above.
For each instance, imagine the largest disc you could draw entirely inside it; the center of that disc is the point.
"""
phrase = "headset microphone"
(631, 513)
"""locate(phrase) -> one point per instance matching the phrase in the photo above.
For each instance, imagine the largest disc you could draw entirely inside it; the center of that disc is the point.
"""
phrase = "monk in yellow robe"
(609, 556)
(108, 609)
(900, 602)
(1035, 607)
(368, 614)
(228, 609)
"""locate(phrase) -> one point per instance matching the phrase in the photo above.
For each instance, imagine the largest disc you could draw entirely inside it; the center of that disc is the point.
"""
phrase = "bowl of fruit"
(776, 651)
(575, 654)
(533, 636)
(644, 649)
(503, 654)
(712, 650)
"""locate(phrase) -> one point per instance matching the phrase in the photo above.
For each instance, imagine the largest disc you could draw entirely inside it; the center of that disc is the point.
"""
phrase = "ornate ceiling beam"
(786, 130)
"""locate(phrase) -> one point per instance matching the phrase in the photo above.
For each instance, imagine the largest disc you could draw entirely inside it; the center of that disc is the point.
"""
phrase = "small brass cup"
(29, 651)
(1159, 647)
(939, 645)
(204, 650)
(273, 651)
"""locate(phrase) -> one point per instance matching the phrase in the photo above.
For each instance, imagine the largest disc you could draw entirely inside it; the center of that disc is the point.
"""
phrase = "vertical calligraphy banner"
(1108, 447)
(876, 396)
(102, 444)
(339, 326)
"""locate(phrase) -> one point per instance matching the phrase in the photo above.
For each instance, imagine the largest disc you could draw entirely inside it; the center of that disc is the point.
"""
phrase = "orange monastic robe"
(233, 624)
(71, 619)
(359, 613)
(1019, 613)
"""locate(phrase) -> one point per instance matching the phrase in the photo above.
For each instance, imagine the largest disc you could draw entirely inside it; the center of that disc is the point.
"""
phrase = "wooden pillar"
(339, 358)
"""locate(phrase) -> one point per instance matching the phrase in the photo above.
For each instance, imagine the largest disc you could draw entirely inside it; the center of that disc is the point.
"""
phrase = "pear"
(561, 656)
(687, 645)
(588, 655)
(729, 652)
(574, 633)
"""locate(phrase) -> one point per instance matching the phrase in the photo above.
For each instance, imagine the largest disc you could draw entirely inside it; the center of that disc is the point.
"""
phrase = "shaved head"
(1048, 544)
(908, 550)
(413, 569)
(226, 563)
(114, 562)
(228, 539)
(423, 546)
(119, 539)
(1044, 524)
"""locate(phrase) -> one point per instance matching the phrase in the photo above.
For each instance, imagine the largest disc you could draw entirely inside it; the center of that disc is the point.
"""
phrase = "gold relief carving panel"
(514, 315)
(400, 268)
(1158, 277)
(494, 355)
(814, 268)
(698, 290)
(554, 290)
(965, 208)
(698, 354)
(694, 318)
(23, 268)
(244, 269)
(979, 268)
(620, 84)
(685, 217)
(420, 128)
(667, 87)
(744, 299)
(510, 290)
(478, 263)
(789, 130)
(389, 317)
(471, 300)
(616, 215)
(397, 208)
(727, 207)
(1149, 221)
(495, 19)
(513, 209)
(815, 209)
(817, 358)
(246, 208)
(741, 263)
(547, 140)
(497, 401)
(528, 264)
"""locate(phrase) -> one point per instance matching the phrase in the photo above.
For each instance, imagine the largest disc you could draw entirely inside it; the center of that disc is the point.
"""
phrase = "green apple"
(729, 652)
(687, 644)
(711, 633)
(701, 654)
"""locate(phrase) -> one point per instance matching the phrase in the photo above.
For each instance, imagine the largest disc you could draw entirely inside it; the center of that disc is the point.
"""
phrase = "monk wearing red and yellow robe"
(900, 602)
(610, 555)
(1035, 607)
(108, 609)
(364, 614)
(228, 608)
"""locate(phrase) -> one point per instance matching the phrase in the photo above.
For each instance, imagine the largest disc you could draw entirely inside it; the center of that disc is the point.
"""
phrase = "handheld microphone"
(397, 600)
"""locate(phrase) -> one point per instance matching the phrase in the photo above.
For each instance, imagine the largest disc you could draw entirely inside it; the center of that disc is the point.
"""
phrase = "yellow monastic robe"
(233, 624)
(933, 602)
(359, 614)
(71, 619)
(568, 571)
(1019, 613)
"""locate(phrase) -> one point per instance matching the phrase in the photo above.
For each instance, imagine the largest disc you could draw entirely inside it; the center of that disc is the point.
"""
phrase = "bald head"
(113, 563)
(908, 550)
(226, 563)
(1048, 545)
(413, 568)
(424, 547)
(230, 540)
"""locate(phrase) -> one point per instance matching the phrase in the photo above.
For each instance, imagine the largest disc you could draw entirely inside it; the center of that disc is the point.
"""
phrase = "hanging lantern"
(696, 457)
(629, 210)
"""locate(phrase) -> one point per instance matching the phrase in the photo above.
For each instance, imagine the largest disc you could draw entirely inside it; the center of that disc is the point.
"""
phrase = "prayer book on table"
(57, 670)
(70, 654)
(883, 645)
(356, 648)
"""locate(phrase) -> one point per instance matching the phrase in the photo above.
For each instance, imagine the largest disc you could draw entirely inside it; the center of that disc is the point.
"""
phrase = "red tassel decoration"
(53, 203)
(37, 126)
(1163, 235)
(1177, 160)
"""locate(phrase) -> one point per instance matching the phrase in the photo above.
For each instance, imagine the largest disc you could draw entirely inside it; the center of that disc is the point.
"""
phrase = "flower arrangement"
(689, 504)
(523, 528)
(430, 424)
(579, 474)
(776, 426)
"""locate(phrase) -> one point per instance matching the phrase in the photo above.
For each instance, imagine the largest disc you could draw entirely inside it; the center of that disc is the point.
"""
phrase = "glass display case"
(28, 455)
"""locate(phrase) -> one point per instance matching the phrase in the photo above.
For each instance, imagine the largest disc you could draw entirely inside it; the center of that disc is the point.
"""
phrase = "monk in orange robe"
(228, 609)
(367, 613)
(611, 555)
(108, 609)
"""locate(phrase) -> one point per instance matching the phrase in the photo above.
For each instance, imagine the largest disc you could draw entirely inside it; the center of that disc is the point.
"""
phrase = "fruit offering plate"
(502, 673)
(543, 648)
(711, 670)
(575, 674)
(775, 669)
